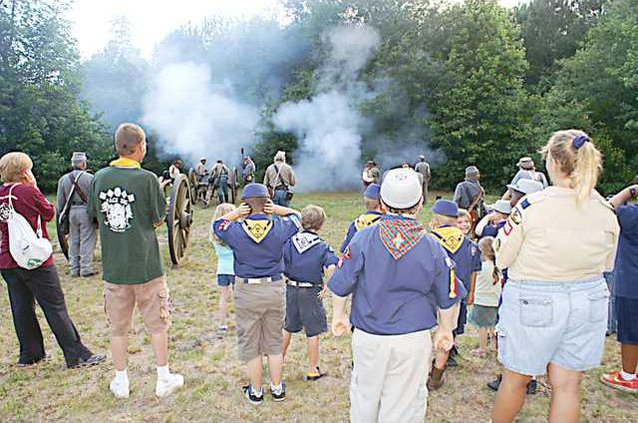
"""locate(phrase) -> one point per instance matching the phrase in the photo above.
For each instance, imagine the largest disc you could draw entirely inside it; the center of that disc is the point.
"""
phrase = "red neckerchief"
(399, 234)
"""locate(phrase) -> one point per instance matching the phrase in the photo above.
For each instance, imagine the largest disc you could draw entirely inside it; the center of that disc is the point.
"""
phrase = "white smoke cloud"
(329, 126)
(196, 117)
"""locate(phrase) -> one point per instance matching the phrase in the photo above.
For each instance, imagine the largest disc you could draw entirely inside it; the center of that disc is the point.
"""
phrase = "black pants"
(43, 285)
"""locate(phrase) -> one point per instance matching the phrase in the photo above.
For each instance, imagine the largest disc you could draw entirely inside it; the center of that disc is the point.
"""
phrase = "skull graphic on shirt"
(116, 206)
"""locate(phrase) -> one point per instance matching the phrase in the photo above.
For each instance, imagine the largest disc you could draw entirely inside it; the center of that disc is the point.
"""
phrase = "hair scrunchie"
(579, 141)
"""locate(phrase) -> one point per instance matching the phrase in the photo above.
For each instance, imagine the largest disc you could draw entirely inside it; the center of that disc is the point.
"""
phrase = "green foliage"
(481, 111)
(598, 86)
(470, 82)
(40, 111)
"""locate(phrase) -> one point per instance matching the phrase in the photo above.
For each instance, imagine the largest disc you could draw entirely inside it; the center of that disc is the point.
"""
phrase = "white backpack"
(28, 248)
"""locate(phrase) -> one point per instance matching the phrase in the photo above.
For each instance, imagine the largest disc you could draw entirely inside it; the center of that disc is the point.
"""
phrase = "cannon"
(179, 219)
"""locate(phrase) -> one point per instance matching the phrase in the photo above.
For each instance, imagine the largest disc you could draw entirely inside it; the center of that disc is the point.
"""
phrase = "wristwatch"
(632, 192)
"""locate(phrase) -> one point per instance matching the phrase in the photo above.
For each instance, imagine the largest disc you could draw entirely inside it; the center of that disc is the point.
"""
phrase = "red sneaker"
(614, 380)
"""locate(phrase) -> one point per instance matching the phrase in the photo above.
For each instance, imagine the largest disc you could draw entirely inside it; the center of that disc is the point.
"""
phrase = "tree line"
(476, 83)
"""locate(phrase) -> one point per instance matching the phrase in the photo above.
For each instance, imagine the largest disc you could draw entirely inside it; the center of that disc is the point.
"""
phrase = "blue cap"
(446, 208)
(255, 191)
(372, 192)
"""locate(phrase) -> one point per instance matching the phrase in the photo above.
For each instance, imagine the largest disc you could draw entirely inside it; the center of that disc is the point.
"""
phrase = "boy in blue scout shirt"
(257, 242)
(466, 257)
(626, 292)
(307, 257)
(399, 278)
(370, 217)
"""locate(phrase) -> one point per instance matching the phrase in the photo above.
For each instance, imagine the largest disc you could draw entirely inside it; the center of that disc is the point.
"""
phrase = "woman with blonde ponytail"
(556, 244)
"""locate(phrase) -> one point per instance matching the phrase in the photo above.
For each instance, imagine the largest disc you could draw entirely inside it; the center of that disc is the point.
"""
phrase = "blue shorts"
(563, 323)
(627, 312)
(225, 280)
(304, 310)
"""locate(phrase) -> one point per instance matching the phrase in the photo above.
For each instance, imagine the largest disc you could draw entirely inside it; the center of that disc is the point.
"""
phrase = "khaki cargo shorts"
(151, 299)
(259, 311)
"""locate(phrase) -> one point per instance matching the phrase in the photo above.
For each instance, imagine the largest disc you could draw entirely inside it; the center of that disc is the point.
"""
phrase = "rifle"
(474, 216)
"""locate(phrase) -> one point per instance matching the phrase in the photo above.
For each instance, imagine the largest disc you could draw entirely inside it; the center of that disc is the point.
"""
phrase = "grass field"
(48, 392)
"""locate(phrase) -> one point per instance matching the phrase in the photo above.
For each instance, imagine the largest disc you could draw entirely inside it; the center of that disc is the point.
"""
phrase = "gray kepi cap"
(78, 157)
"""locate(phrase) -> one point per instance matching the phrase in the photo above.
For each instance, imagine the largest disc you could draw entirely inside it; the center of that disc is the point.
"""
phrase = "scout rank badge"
(257, 230)
(400, 236)
(365, 220)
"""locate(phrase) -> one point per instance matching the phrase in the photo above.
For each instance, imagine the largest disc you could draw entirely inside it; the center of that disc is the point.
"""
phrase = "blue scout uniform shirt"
(306, 256)
(492, 230)
(257, 243)
(461, 250)
(627, 259)
(366, 219)
(398, 277)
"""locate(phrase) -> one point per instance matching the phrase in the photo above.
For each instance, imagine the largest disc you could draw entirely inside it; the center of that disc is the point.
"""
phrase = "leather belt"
(300, 284)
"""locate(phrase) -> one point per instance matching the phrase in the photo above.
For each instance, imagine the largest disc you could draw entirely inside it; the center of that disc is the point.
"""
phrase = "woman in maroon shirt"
(41, 284)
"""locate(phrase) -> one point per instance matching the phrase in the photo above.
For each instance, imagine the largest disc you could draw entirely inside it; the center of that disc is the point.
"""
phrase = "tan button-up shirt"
(549, 237)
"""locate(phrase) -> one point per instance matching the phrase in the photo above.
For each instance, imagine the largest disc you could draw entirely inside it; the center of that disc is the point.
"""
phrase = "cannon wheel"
(179, 219)
(233, 185)
(63, 239)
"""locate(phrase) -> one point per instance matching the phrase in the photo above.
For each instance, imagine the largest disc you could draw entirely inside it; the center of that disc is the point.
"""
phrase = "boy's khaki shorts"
(151, 298)
(259, 311)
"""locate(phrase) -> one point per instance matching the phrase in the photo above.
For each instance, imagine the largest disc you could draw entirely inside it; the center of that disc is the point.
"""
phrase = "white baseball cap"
(502, 206)
(401, 189)
(526, 186)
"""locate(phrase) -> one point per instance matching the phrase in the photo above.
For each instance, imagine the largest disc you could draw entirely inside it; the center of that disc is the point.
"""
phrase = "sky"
(152, 20)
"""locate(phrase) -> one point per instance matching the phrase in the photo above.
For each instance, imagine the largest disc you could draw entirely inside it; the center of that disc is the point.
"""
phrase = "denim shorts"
(543, 322)
(225, 280)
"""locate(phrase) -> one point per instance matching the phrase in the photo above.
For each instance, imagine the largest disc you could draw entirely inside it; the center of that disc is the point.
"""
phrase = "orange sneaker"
(614, 380)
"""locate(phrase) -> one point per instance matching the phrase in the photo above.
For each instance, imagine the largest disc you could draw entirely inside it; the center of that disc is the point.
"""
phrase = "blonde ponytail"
(587, 169)
(578, 158)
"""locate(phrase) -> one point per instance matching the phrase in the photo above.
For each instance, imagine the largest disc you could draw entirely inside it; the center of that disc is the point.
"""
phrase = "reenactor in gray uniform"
(82, 231)
(470, 195)
(219, 179)
(425, 175)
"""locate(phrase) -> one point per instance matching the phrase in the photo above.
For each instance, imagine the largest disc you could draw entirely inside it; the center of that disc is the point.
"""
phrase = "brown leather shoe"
(436, 379)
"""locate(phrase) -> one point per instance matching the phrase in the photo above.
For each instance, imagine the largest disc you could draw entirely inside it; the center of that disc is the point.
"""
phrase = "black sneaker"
(33, 362)
(532, 386)
(278, 394)
(451, 362)
(93, 360)
(496, 383)
(251, 396)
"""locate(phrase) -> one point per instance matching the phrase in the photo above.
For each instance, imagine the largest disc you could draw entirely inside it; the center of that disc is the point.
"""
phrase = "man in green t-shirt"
(129, 205)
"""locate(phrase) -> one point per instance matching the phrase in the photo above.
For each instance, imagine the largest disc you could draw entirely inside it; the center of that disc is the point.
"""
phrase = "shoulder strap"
(76, 187)
(278, 177)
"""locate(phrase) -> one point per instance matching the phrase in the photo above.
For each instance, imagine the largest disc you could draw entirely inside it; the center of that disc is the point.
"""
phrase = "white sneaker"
(120, 388)
(167, 386)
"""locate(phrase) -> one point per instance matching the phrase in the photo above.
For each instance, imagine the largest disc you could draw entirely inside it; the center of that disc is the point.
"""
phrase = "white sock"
(274, 387)
(121, 376)
(162, 372)
(627, 376)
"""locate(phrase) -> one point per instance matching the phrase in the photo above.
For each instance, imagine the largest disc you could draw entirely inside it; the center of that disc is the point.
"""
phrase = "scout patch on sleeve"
(223, 227)
(305, 241)
(508, 228)
(516, 216)
(257, 230)
(365, 220)
(345, 256)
